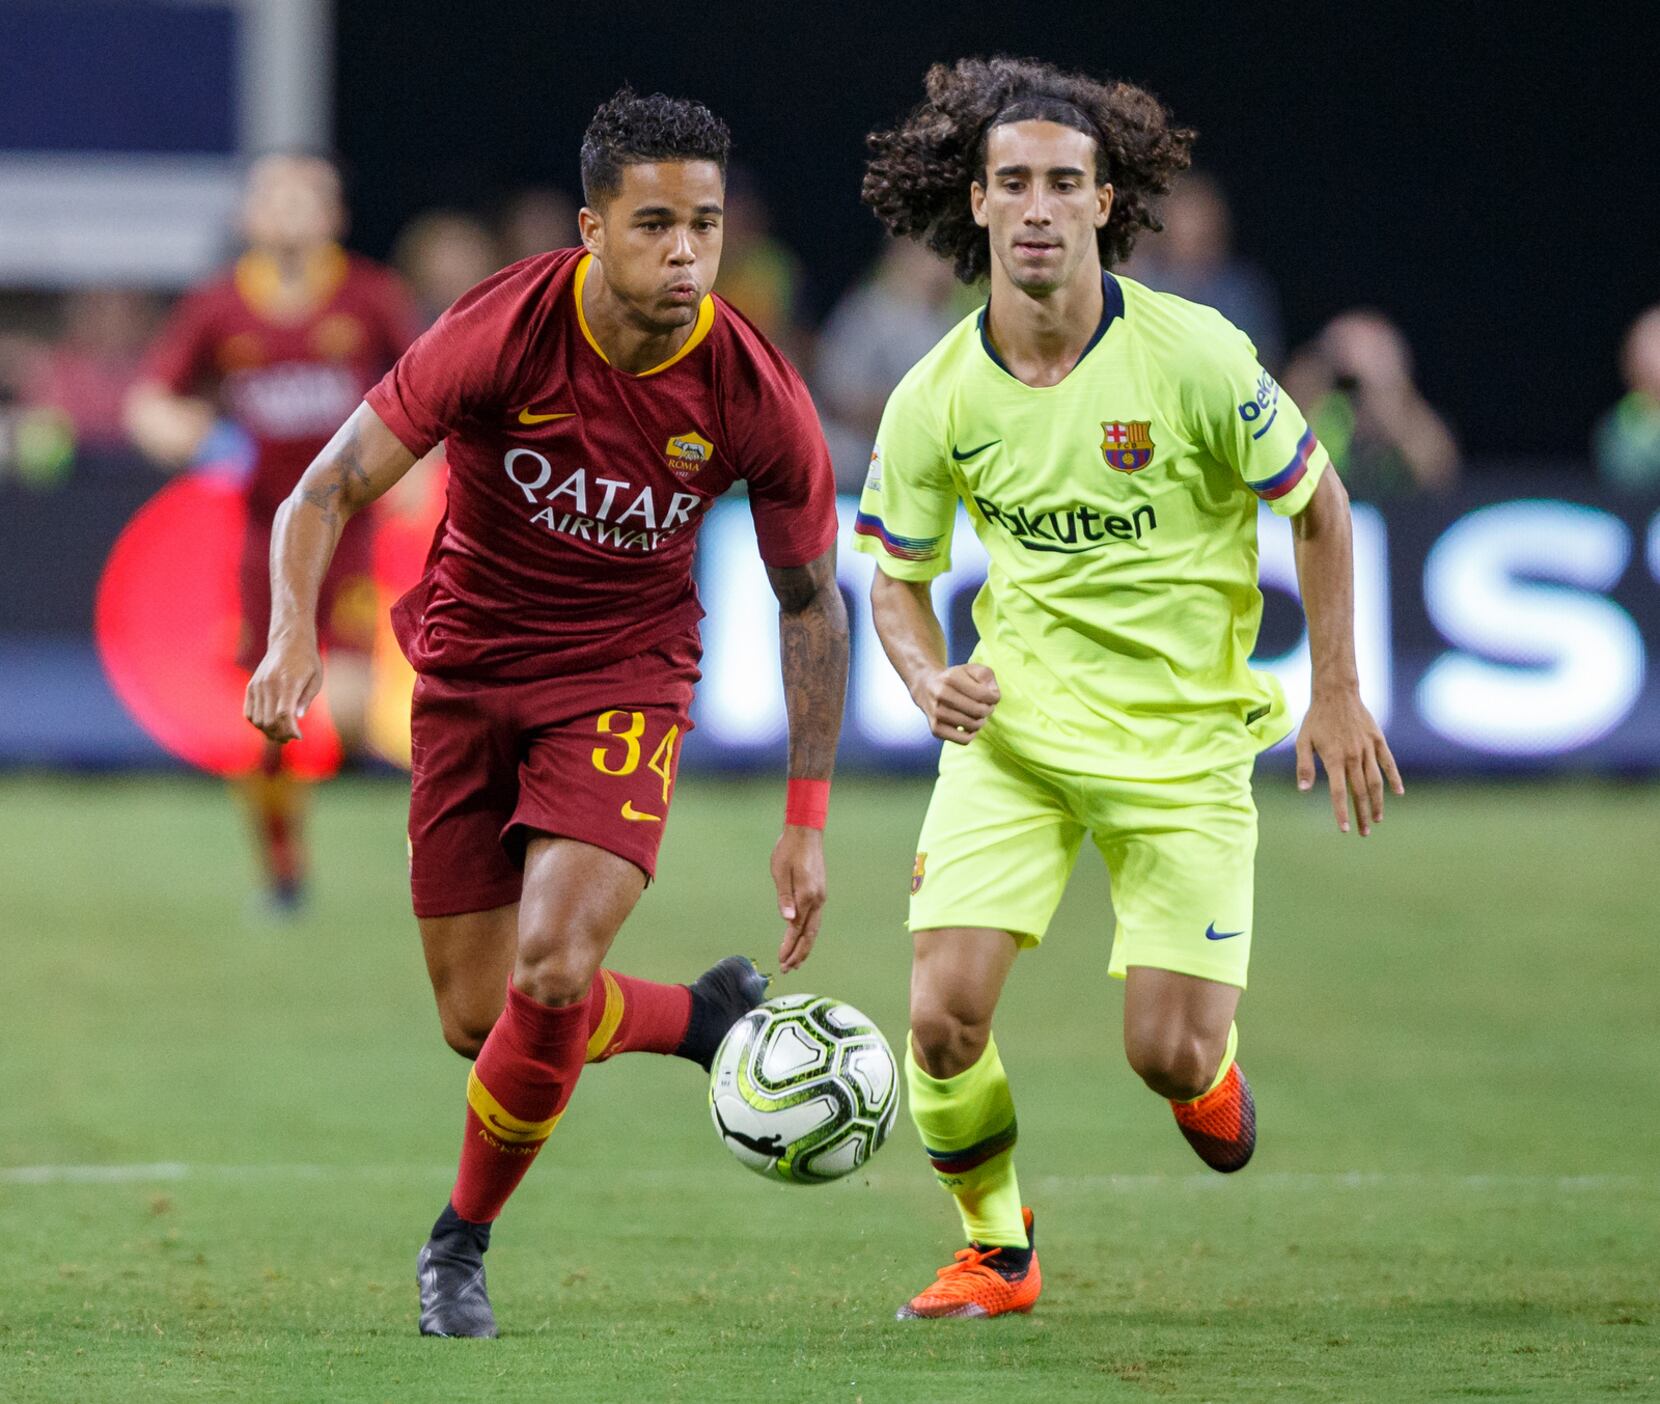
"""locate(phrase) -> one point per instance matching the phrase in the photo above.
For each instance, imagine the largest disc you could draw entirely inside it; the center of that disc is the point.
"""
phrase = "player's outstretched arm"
(361, 461)
(956, 700)
(169, 429)
(812, 628)
(1338, 728)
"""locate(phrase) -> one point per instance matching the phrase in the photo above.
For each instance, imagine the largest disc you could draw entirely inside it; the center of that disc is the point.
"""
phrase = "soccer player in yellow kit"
(1111, 445)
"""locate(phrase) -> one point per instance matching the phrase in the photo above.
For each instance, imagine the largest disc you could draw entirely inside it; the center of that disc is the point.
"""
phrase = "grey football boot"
(450, 1271)
(722, 995)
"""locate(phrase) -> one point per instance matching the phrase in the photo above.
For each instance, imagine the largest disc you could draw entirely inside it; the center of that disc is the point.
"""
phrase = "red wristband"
(807, 803)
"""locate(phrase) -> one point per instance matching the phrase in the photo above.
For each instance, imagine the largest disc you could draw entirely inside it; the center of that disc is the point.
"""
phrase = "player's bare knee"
(553, 981)
(945, 1043)
(556, 967)
(1177, 1065)
(466, 1037)
(467, 1008)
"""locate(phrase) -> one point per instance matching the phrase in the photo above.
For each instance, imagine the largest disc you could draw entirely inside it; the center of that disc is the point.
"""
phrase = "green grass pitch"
(223, 1142)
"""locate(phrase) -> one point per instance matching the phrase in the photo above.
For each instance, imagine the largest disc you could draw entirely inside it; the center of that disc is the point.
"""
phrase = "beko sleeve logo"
(1264, 405)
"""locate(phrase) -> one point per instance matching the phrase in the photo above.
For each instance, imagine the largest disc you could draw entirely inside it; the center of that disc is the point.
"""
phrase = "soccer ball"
(803, 1089)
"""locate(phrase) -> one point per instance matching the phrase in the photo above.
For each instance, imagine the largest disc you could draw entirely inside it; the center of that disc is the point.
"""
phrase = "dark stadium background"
(1478, 174)
(1474, 169)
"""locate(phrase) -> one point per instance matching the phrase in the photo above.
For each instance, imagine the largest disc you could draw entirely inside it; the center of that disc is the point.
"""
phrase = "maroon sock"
(276, 800)
(626, 1015)
(516, 1092)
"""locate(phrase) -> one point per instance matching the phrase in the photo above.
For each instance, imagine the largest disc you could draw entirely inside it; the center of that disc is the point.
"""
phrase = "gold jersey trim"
(259, 282)
(700, 329)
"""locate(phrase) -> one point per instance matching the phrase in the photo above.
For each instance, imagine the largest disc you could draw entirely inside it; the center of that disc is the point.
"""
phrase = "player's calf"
(463, 1036)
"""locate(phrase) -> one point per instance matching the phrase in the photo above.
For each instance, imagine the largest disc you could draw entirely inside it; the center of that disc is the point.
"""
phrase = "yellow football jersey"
(1119, 512)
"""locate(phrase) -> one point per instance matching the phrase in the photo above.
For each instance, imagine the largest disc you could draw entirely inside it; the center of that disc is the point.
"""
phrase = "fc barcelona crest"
(1127, 447)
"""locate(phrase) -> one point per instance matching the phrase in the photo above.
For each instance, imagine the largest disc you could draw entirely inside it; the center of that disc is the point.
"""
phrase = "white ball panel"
(790, 1051)
(845, 1018)
(843, 1158)
(871, 1067)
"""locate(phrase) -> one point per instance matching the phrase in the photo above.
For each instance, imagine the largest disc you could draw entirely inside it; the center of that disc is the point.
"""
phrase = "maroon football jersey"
(576, 489)
(290, 383)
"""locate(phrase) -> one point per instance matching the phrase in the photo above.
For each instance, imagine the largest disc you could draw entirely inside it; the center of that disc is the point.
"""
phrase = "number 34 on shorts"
(622, 749)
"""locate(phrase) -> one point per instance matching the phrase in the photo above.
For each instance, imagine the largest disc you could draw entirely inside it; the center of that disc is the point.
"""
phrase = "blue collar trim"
(1112, 308)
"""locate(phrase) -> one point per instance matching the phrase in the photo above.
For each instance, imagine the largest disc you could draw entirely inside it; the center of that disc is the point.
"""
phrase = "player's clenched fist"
(958, 700)
(283, 686)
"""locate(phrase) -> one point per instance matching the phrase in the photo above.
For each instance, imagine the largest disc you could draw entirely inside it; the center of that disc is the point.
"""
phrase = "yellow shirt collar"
(259, 282)
(700, 329)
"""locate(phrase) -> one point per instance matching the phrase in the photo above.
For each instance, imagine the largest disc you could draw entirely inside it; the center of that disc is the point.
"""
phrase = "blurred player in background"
(1193, 257)
(443, 254)
(280, 348)
(595, 402)
(1111, 444)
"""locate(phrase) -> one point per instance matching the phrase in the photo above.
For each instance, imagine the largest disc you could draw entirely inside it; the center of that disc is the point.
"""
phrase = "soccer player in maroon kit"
(595, 402)
(283, 344)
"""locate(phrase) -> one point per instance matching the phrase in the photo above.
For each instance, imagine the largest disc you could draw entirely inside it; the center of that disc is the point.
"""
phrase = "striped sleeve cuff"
(902, 548)
(1284, 482)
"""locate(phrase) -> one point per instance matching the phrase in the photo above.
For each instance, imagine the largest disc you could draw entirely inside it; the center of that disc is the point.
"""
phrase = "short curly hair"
(918, 177)
(629, 130)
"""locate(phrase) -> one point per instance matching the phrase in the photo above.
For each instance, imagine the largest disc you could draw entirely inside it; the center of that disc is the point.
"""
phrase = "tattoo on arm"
(342, 486)
(812, 629)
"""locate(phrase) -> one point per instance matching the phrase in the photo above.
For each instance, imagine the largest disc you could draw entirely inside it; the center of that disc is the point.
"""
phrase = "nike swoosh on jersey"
(1212, 934)
(630, 812)
(964, 457)
(526, 417)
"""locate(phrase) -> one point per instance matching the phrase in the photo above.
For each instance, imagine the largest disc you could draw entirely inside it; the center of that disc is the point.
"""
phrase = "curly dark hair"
(918, 177)
(630, 129)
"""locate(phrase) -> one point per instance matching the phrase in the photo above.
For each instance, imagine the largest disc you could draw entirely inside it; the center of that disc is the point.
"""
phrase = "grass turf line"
(1455, 1195)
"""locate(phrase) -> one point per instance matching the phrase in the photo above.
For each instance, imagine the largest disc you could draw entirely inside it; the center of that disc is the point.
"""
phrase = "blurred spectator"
(1626, 444)
(877, 332)
(1355, 384)
(1193, 258)
(759, 275)
(441, 254)
(83, 378)
(535, 220)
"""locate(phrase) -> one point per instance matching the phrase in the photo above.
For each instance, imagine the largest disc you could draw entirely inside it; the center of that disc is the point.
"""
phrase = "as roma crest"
(1127, 447)
(688, 452)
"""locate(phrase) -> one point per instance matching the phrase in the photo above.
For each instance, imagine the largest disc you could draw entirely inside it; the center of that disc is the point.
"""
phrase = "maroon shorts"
(347, 606)
(589, 756)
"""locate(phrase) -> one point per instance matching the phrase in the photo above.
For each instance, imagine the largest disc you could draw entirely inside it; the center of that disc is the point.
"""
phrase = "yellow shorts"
(1001, 836)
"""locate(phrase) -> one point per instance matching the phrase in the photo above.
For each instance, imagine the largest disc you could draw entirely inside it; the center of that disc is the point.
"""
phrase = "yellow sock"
(967, 1125)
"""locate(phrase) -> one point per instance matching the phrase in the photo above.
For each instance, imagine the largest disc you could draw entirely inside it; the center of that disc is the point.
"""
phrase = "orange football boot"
(1222, 1125)
(973, 1285)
